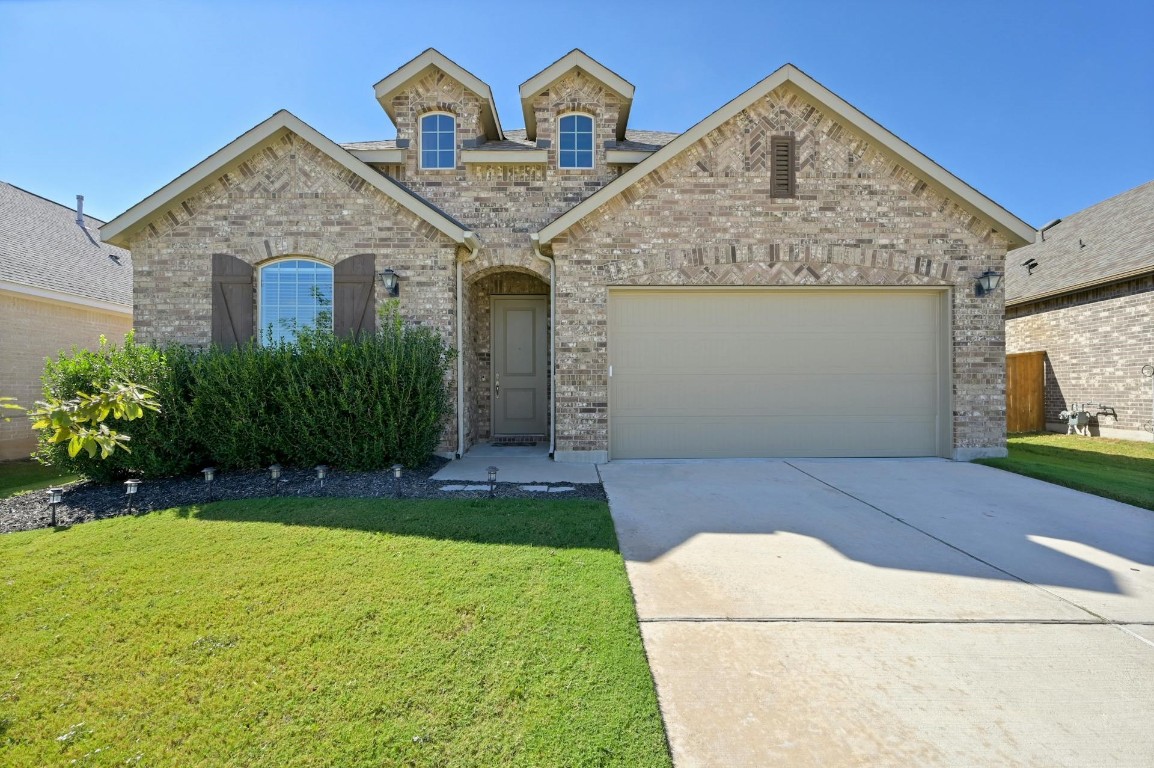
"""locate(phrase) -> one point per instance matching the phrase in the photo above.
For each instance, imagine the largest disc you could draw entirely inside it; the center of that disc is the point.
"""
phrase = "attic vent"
(1030, 265)
(115, 257)
(782, 180)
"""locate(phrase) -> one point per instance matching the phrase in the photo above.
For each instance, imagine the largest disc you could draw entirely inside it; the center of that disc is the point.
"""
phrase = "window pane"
(429, 158)
(584, 159)
(568, 141)
(584, 141)
(568, 159)
(567, 123)
(445, 123)
(445, 140)
(295, 294)
(446, 159)
(429, 122)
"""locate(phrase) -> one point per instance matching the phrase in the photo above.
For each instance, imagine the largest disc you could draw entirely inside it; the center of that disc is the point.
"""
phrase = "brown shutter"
(232, 301)
(782, 182)
(354, 310)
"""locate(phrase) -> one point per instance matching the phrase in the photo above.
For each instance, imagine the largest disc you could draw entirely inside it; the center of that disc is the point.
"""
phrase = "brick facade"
(33, 329)
(705, 217)
(1096, 342)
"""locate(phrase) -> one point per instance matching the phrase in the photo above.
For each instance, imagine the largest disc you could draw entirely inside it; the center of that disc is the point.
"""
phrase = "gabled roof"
(434, 59)
(115, 230)
(579, 60)
(46, 252)
(1019, 232)
(1110, 241)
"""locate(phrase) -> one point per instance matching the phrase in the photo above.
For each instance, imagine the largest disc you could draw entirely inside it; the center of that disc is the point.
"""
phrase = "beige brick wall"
(33, 330)
(1096, 343)
(706, 218)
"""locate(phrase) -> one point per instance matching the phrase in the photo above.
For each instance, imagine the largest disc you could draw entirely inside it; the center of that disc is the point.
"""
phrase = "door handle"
(497, 393)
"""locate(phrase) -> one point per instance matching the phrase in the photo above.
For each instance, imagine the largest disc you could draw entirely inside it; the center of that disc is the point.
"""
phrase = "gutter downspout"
(474, 246)
(537, 249)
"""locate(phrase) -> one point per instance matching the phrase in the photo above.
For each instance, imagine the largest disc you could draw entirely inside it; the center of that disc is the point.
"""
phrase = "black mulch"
(87, 500)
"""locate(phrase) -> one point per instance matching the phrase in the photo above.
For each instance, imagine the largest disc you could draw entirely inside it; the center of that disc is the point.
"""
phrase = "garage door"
(704, 373)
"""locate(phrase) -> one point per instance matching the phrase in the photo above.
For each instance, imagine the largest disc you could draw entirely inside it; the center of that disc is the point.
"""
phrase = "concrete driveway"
(889, 613)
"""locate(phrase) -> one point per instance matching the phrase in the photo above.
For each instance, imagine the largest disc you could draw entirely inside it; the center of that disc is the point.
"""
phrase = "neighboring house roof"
(1019, 232)
(432, 58)
(116, 229)
(1104, 243)
(45, 252)
(579, 60)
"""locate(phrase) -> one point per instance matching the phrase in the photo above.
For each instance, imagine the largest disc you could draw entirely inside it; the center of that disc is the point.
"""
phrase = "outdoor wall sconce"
(274, 472)
(397, 480)
(389, 281)
(209, 475)
(55, 496)
(130, 488)
(492, 481)
(322, 471)
(988, 282)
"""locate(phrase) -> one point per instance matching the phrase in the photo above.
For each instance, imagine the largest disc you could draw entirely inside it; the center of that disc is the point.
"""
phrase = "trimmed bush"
(357, 404)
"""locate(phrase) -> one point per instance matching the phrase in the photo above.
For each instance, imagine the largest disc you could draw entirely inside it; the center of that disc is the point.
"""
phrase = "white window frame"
(421, 142)
(260, 291)
(592, 149)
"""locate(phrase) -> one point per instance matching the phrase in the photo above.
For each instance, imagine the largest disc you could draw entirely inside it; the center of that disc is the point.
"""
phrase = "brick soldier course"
(656, 209)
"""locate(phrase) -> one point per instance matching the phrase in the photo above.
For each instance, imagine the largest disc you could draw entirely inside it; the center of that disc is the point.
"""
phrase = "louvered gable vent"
(782, 182)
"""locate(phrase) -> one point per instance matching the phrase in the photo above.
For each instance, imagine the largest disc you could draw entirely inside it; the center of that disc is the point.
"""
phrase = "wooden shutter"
(232, 301)
(782, 181)
(354, 310)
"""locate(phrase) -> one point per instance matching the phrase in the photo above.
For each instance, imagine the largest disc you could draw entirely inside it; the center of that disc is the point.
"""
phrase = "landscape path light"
(322, 471)
(55, 496)
(493, 481)
(209, 476)
(274, 472)
(397, 468)
(130, 488)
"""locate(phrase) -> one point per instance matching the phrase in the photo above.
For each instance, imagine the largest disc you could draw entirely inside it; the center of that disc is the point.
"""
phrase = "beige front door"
(520, 365)
(719, 372)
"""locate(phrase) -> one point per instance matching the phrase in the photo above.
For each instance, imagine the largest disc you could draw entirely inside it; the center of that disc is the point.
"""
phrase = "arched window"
(438, 141)
(575, 139)
(294, 294)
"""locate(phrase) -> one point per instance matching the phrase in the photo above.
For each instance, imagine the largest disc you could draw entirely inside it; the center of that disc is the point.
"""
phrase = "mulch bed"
(87, 500)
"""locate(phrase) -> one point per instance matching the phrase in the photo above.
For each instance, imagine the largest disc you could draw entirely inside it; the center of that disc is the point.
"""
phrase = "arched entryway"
(507, 363)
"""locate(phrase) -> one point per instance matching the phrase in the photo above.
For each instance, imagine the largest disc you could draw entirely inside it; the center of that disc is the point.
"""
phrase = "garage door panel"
(716, 372)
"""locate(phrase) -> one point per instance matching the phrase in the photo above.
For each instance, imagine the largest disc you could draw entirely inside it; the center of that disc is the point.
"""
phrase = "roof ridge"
(48, 200)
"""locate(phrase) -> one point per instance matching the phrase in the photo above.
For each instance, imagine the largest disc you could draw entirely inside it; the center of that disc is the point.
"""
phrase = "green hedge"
(361, 403)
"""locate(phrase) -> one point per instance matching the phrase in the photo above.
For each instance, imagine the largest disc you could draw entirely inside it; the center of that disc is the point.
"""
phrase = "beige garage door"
(704, 373)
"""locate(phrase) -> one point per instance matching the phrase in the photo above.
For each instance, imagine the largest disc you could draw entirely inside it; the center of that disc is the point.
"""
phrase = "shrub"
(161, 442)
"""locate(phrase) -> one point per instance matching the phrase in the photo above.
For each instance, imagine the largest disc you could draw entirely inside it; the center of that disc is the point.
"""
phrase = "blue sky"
(1046, 107)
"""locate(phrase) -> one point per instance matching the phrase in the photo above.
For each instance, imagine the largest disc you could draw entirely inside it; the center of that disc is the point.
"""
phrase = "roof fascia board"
(575, 59)
(626, 156)
(383, 156)
(505, 157)
(1095, 283)
(791, 74)
(59, 297)
(431, 57)
(282, 120)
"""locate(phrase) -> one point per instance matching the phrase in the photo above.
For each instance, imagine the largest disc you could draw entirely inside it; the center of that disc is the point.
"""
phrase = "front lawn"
(305, 632)
(1117, 469)
(22, 476)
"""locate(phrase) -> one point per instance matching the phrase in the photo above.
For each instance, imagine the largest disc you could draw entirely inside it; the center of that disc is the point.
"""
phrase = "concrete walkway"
(889, 613)
(517, 464)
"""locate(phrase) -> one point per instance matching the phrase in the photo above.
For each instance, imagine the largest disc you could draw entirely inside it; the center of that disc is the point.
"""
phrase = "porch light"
(492, 481)
(988, 282)
(397, 468)
(390, 283)
(209, 476)
(55, 496)
(130, 488)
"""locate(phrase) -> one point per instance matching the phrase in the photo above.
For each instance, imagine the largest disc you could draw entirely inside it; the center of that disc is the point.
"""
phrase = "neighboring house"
(1084, 295)
(60, 287)
(785, 278)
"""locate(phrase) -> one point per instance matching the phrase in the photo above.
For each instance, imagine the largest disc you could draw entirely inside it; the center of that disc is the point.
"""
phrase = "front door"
(520, 368)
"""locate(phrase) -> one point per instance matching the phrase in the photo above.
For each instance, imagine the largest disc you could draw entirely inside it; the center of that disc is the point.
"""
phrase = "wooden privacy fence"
(1025, 392)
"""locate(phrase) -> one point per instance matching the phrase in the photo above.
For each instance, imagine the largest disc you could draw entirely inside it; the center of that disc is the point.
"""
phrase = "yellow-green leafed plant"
(80, 420)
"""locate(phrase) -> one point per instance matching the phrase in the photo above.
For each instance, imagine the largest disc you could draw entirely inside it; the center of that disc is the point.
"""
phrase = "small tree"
(80, 421)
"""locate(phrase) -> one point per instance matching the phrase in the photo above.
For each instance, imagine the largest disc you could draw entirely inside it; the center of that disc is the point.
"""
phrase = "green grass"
(23, 476)
(322, 632)
(1117, 469)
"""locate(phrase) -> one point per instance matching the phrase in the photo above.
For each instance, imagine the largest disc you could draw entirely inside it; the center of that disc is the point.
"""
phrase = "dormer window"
(438, 141)
(575, 140)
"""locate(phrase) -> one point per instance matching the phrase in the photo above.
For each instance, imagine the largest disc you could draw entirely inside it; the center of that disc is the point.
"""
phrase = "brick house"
(60, 287)
(785, 278)
(1083, 294)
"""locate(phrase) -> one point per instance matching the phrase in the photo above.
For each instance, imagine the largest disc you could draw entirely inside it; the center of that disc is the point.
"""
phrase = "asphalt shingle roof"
(42, 246)
(1096, 245)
